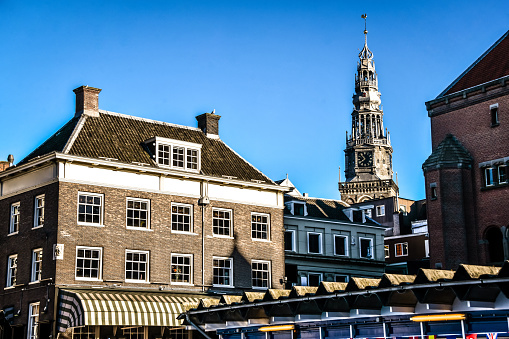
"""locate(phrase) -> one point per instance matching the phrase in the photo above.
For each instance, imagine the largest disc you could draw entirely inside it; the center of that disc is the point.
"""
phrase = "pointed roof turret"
(450, 153)
(365, 52)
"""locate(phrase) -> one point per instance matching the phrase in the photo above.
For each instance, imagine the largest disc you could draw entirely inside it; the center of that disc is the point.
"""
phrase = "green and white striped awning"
(121, 308)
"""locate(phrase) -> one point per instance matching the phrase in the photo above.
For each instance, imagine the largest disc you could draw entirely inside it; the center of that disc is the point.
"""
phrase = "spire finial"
(365, 16)
(365, 53)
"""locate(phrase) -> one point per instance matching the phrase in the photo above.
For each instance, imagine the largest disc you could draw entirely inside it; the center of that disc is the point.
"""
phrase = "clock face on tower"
(365, 159)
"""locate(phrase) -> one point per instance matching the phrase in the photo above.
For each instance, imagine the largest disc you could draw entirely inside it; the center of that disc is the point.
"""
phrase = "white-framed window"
(178, 154)
(401, 249)
(341, 278)
(33, 321)
(260, 226)
(137, 213)
(14, 218)
(340, 245)
(387, 251)
(290, 241)
(368, 212)
(314, 279)
(88, 263)
(380, 210)
(314, 242)
(181, 269)
(426, 248)
(12, 270)
(136, 266)
(90, 208)
(181, 217)
(36, 265)
(39, 211)
(222, 271)
(502, 174)
(260, 274)
(489, 175)
(366, 248)
(222, 222)
(403, 210)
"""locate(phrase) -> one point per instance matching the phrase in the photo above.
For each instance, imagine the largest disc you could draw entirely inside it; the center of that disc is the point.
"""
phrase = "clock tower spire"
(368, 153)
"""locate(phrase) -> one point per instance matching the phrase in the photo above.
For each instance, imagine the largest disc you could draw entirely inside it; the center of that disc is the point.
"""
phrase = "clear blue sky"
(280, 73)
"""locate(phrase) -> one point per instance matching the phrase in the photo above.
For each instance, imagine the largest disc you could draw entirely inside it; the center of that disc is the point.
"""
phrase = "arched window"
(494, 238)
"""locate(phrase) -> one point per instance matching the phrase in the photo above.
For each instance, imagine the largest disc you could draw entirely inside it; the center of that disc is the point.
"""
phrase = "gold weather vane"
(364, 16)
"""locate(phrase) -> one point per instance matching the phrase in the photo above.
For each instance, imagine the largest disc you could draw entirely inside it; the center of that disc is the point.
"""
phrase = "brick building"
(116, 224)
(467, 187)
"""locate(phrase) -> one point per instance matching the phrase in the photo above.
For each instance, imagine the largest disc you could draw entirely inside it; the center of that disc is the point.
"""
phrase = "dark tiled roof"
(450, 153)
(122, 137)
(321, 208)
(55, 143)
(493, 64)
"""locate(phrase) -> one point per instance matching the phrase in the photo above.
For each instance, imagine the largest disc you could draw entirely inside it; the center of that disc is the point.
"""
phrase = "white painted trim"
(147, 228)
(347, 250)
(43, 197)
(372, 247)
(269, 267)
(294, 240)
(229, 210)
(100, 249)
(338, 222)
(28, 189)
(191, 271)
(268, 226)
(191, 218)
(231, 272)
(11, 215)
(101, 216)
(402, 246)
(320, 242)
(9, 275)
(32, 273)
(147, 272)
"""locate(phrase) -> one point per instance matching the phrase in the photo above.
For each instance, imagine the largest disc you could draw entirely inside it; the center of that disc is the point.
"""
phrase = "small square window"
(181, 269)
(341, 278)
(401, 249)
(340, 245)
(222, 222)
(14, 219)
(138, 213)
(380, 210)
(314, 243)
(222, 272)
(39, 211)
(181, 218)
(314, 279)
(90, 208)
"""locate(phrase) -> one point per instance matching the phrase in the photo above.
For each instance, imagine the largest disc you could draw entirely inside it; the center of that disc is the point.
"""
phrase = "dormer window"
(297, 208)
(176, 154)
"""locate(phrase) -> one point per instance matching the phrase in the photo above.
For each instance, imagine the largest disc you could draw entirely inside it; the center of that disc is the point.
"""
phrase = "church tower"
(368, 153)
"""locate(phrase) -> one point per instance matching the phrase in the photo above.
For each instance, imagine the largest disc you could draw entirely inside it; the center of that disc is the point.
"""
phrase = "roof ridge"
(127, 116)
(76, 131)
(443, 93)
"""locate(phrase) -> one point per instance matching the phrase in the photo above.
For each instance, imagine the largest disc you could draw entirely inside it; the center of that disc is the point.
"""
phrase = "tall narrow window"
(260, 226)
(387, 251)
(222, 222)
(138, 212)
(36, 265)
(366, 248)
(502, 174)
(314, 243)
(260, 274)
(14, 220)
(222, 272)
(192, 159)
(163, 154)
(340, 245)
(136, 266)
(12, 270)
(290, 240)
(489, 175)
(494, 115)
(39, 211)
(178, 156)
(33, 321)
(181, 217)
(90, 208)
(181, 269)
(88, 263)
(380, 210)
(401, 249)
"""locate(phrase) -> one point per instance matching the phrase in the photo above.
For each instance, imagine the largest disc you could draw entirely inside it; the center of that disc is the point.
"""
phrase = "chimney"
(209, 123)
(87, 101)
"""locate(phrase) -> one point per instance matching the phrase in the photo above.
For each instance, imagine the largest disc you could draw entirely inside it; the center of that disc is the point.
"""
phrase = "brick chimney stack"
(87, 101)
(209, 123)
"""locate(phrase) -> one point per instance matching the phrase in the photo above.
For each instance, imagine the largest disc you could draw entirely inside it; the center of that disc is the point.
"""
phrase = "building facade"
(368, 153)
(467, 186)
(134, 220)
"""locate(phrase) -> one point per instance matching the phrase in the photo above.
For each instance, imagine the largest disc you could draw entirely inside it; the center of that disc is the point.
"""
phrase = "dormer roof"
(450, 153)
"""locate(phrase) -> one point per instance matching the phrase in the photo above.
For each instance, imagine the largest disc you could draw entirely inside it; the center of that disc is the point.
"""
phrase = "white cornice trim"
(139, 168)
(27, 189)
(344, 223)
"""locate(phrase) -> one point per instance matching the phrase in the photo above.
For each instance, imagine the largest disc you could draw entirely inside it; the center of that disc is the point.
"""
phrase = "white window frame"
(147, 266)
(230, 220)
(403, 246)
(491, 171)
(426, 248)
(100, 268)
(371, 248)
(101, 209)
(368, 212)
(191, 212)
(320, 242)
(230, 269)
(12, 270)
(171, 144)
(191, 268)
(33, 320)
(294, 240)
(39, 210)
(320, 277)
(36, 274)
(268, 226)
(502, 169)
(345, 239)
(387, 251)
(14, 218)
(140, 200)
(304, 208)
(269, 275)
(380, 210)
